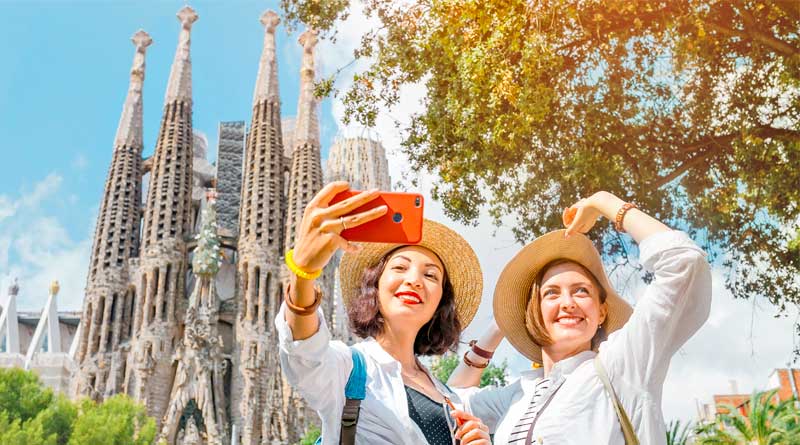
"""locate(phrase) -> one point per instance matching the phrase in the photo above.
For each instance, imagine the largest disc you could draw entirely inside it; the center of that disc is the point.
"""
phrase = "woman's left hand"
(581, 216)
(472, 430)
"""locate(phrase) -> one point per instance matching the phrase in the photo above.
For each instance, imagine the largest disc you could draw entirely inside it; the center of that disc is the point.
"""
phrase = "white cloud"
(43, 189)
(740, 341)
(36, 248)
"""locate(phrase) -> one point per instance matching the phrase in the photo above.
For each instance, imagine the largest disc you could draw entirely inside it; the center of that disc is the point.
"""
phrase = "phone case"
(401, 224)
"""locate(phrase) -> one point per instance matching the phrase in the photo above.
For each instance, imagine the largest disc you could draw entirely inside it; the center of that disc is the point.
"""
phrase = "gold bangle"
(297, 270)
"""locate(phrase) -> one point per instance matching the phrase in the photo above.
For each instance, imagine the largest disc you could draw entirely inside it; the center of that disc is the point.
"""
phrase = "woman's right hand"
(318, 236)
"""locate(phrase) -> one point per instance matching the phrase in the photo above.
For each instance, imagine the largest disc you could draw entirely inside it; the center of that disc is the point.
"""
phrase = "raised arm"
(465, 376)
(671, 308)
(316, 241)
(582, 215)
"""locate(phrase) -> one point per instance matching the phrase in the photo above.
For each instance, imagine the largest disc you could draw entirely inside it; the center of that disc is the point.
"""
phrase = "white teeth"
(411, 299)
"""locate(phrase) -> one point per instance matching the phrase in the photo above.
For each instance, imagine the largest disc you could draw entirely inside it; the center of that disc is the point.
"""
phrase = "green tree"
(117, 421)
(688, 107)
(766, 423)
(677, 433)
(30, 413)
(22, 395)
(493, 375)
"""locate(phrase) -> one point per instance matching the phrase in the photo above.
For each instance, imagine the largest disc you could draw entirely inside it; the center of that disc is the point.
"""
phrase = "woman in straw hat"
(406, 301)
(555, 305)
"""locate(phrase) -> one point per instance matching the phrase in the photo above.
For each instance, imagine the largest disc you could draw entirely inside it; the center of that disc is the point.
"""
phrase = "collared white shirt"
(672, 308)
(319, 368)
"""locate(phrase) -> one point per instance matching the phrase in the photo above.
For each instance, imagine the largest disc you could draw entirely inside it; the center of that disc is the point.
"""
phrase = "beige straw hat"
(515, 282)
(460, 263)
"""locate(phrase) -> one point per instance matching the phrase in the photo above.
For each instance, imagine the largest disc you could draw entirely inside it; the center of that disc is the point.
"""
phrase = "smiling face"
(410, 287)
(571, 308)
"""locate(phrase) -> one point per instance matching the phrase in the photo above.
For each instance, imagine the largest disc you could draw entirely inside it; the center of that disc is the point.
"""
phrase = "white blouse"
(637, 357)
(319, 368)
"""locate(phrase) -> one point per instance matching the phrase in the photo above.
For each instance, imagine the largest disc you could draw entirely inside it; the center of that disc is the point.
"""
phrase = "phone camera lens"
(397, 217)
(418, 201)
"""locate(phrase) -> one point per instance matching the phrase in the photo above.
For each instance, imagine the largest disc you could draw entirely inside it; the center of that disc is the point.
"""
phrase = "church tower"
(257, 395)
(167, 223)
(107, 307)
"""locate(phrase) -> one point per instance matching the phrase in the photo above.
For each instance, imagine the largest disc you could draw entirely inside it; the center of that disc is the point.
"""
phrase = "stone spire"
(9, 323)
(129, 131)
(179, 87)
(307, 123)
(167, 224)
(260, 249)
(106, 320)
(306, 172)
(200, 364)
(267, 79)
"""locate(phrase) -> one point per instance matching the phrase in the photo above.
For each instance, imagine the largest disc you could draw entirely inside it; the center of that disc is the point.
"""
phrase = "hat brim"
(460, 262)
(514, 285)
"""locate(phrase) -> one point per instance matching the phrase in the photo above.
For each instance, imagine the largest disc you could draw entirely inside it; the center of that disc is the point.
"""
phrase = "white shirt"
(637, 357)
(319, 368)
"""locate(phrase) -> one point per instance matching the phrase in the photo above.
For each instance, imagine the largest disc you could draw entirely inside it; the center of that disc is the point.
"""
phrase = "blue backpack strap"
(354, 392)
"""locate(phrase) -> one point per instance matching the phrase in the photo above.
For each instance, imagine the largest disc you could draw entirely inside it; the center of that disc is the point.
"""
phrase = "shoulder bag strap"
(354, 393)
(624, 421)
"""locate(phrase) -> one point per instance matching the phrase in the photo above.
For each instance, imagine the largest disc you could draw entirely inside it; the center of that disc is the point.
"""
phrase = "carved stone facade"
(196, 346)
(258, 393)
(361, 162)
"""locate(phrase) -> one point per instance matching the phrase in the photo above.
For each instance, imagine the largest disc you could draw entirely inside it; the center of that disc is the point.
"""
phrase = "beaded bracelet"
(621, 216)
(297, 270)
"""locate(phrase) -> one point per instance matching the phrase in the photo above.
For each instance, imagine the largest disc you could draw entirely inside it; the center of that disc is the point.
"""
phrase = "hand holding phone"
(401, 224)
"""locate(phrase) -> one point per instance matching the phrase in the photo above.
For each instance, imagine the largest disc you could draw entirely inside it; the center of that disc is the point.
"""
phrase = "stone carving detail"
(200, 363)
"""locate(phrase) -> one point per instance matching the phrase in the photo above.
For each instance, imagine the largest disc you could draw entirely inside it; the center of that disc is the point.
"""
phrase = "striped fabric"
(520, 431)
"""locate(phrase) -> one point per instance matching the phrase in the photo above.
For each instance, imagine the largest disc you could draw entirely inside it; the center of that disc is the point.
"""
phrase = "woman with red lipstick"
(405, 301)
(599, 365)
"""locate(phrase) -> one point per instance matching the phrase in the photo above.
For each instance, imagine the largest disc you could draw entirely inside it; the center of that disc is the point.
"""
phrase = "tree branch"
(681, 169)
(715, 143)
(767, 40)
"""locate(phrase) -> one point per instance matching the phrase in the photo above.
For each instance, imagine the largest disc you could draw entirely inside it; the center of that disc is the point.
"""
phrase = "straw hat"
(460, 262)
(515, 282)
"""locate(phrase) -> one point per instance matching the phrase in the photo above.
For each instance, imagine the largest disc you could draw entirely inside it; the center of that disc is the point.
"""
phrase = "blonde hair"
(533, 313)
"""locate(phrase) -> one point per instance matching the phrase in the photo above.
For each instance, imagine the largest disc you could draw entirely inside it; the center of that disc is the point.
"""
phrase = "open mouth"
(570, 320)
(409, 297)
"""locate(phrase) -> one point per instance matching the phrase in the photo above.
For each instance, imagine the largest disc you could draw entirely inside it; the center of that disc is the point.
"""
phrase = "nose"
(413, 279)
(567, 302)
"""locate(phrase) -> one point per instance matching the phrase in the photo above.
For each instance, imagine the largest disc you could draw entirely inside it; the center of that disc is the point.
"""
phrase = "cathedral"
(186, 271)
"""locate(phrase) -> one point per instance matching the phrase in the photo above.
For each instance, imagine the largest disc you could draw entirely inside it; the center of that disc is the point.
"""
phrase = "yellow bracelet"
(297, 270)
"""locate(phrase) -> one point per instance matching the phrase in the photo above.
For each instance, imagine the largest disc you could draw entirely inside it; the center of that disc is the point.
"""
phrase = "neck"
(552, 355)
(399, 343)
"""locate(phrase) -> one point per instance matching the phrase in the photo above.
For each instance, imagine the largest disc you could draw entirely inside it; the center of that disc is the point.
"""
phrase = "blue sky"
(64, 77)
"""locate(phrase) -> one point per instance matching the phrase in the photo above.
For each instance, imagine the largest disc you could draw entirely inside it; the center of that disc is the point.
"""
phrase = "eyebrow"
(580, 283)
(409, 260)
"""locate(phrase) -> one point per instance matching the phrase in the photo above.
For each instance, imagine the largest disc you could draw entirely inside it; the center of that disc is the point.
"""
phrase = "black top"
(429, 416)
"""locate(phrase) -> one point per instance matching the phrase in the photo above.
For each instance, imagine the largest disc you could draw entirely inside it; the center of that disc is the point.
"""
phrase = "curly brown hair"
(439, 335)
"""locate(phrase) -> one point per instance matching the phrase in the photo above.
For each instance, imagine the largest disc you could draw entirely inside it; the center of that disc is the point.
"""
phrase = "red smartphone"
(401, 224)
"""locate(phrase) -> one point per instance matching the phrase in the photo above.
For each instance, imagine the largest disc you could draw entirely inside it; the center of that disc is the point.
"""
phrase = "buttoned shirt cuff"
(651, 247)
(311, 348)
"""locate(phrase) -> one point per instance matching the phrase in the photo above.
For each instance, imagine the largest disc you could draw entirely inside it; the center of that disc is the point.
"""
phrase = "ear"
(603, 312)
